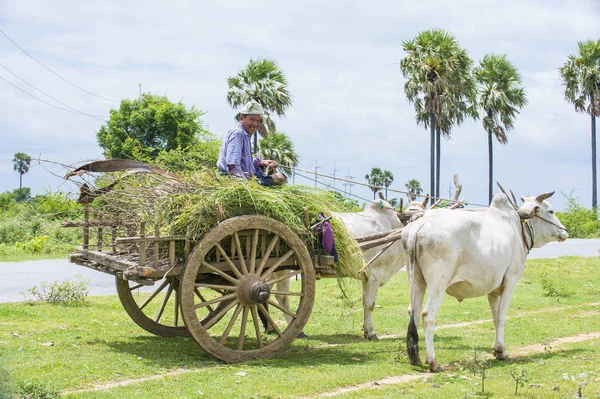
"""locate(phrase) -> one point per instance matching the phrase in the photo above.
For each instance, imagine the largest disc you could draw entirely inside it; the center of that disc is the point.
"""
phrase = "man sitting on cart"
(235, 155)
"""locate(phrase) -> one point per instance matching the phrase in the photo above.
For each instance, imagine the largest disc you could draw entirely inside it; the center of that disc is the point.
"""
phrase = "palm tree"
(387, 178)
(439, 85)
(278, 147)
(501, 95)
(581, 78)
(263, 82)
(414, 188)
(21, 166)
(375, 178)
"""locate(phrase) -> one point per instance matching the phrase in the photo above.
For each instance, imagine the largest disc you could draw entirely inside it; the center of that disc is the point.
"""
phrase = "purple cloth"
(237, 150)
(327, 240)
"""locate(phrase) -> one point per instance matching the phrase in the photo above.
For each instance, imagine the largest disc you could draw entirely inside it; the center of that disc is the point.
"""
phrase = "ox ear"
(544, 196)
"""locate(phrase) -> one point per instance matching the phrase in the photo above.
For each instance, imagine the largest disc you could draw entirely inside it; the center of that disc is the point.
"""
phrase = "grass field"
(93, 350)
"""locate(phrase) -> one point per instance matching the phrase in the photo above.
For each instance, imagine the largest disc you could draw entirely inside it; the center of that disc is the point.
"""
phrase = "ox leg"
(503, 302)
(494, 301)
(370, 287)
(284, 301)
(432, 307)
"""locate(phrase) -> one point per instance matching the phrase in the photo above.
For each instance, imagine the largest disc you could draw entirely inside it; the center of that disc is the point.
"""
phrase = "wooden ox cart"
(214, 289)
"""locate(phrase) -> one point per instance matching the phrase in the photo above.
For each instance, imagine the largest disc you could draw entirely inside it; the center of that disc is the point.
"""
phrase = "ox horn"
(544, 196)
(426, 198)
(380, 195)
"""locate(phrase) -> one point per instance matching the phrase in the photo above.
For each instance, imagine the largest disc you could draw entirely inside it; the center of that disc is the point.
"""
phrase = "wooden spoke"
(159, 289)
(176, 311)
(135, 287)
(269, 318)
(243, 328)
(266, 254)
(286, 293)
(229, 262)
(284, 310)
(165, 300)
(199, 295)
(217, 287)
(234, 317)
(253, 254)
(277, 264)
(238, 246)
(219, 299)
(280, 278)
(219, 315)
(255, 319)
(220, 273)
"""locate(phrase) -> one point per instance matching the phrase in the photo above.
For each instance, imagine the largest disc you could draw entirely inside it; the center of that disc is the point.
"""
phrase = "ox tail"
(412, 342)
(412, 335)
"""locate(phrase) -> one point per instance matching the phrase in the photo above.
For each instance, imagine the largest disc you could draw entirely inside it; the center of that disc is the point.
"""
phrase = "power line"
(50, 54)
(56, 74)
(49, 96)
(45, 102)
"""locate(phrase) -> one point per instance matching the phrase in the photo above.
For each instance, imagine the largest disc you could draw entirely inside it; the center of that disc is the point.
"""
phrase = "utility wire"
(378, 187)
(56, 74)
(45, 102)
(50, 54)
(49, 96)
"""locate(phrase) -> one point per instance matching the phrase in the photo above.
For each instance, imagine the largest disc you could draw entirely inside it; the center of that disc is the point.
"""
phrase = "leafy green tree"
(387, 178)
(262, 81)
(22, 162)
(440, 86)
(278, 147)
(581, 78)
(375, 178)
(142, 128)
(500, 96)
(414, 188)
(203, 154)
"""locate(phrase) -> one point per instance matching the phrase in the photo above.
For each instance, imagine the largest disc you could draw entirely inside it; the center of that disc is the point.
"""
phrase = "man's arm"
(233, 157)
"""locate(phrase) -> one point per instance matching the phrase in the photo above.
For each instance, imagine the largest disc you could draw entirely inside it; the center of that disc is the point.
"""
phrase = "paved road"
(17, 278)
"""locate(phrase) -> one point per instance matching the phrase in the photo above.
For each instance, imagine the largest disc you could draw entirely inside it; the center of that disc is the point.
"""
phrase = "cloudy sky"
(341, 59)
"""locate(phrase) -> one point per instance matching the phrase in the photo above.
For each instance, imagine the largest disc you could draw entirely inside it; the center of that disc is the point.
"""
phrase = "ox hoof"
(302, 335)
(371, 337)
(500, 355)
(435, 368)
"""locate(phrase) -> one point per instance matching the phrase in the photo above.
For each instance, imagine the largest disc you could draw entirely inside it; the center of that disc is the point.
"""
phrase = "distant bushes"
(581, 222)
(32, 226)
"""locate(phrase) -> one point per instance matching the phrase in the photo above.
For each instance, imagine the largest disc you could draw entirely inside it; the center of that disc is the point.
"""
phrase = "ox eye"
(551, 211)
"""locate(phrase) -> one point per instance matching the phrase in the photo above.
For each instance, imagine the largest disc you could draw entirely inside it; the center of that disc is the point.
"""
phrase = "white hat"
(253, 108)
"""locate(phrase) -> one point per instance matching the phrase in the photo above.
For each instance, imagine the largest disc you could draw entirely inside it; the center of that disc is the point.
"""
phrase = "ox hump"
(501, 203)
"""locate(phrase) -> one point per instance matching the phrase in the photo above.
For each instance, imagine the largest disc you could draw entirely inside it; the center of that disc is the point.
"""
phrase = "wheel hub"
(252, 291)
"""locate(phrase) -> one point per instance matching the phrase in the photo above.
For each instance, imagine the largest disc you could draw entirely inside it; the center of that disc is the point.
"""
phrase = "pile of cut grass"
(199, 202)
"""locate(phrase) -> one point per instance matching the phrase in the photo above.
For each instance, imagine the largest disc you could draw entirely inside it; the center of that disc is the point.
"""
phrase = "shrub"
(581, 222)
(37, 390)
(553, 288)
(75, 290)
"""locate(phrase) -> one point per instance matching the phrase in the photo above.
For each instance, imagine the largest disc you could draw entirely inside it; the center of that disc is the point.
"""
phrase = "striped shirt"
(236, 150)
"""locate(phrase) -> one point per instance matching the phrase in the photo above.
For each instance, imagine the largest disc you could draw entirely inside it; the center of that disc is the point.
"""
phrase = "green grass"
(96, 343)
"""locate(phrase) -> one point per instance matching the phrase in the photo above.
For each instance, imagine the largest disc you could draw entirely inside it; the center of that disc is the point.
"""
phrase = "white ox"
(379, 217)
(470, 254)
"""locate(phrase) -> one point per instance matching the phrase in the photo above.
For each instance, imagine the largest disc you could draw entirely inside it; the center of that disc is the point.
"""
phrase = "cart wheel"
(245, 258)
(156, 311)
